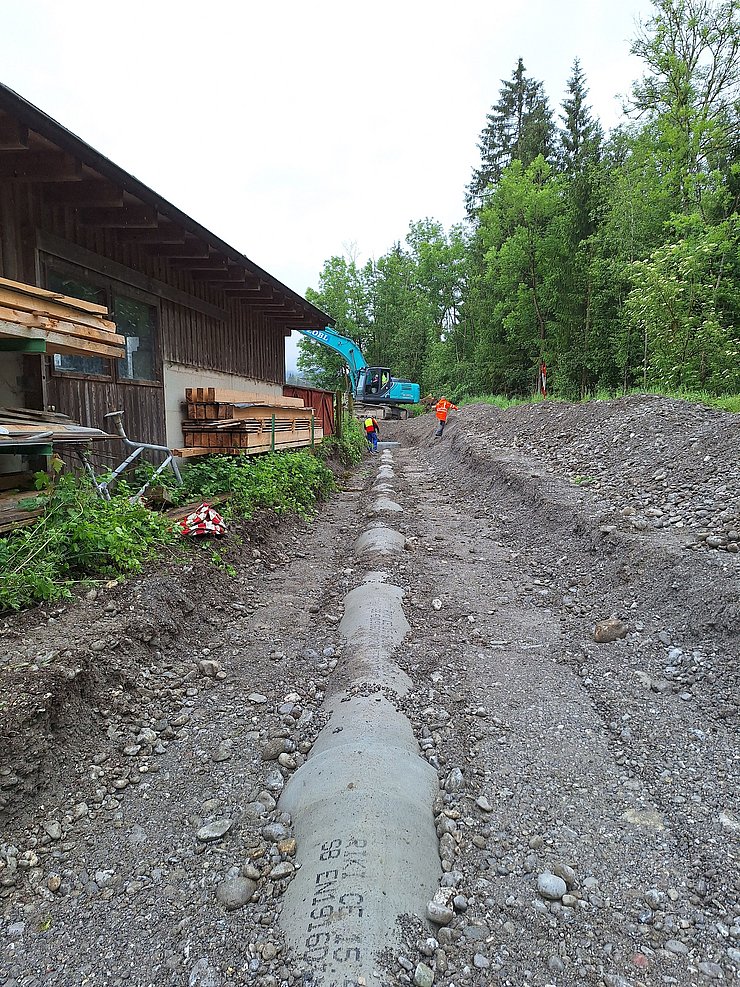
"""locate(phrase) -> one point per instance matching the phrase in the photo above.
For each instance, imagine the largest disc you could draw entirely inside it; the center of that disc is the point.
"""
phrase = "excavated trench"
(362, 803)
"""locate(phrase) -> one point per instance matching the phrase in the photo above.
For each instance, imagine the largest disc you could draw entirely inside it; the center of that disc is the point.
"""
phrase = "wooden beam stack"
(56, 323)
(223, 422)
(30, 430)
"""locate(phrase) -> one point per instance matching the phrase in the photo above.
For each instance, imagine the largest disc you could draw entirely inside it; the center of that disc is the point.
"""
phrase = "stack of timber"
(18, 509)
(29, 428)
(222, 422)
(34, 320)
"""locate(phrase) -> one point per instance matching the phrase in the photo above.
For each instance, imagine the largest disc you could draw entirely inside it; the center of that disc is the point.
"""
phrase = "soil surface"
(571, 578)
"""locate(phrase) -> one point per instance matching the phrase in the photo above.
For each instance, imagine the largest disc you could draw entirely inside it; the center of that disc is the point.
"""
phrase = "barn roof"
(35, 148)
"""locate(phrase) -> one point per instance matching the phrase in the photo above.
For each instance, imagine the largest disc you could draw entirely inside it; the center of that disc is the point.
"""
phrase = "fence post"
(338, 412)
(272, 436)
(313, 432)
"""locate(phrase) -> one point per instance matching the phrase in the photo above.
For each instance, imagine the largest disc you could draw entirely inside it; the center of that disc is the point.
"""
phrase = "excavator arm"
(373, 385)
(345, 347)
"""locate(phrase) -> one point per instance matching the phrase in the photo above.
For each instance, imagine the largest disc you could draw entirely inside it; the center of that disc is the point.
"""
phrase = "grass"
(498, 400)
(724, 402)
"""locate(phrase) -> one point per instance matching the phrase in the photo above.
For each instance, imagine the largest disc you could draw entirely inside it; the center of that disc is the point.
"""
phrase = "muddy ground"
(133, 719)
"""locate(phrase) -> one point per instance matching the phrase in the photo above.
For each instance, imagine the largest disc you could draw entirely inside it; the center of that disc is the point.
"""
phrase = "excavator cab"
(374, 384)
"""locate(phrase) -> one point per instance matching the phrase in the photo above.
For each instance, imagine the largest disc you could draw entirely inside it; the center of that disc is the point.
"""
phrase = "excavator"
(374, 386)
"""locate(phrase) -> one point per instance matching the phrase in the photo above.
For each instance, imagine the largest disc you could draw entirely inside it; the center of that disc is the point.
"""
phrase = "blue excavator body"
(371, 385)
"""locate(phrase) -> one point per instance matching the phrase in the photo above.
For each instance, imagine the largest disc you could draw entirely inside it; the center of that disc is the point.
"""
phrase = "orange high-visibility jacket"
(442, 408)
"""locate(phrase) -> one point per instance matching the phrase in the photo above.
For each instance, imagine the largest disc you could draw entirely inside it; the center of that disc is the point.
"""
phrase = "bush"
(78, 535)
(286, 482)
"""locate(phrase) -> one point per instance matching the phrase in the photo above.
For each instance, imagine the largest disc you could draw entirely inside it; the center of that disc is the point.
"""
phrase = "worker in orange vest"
(441, 409)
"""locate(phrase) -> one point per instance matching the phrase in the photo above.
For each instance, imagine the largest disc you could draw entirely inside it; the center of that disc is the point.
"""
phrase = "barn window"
(136, 321)
(131, 310)
(77, 287)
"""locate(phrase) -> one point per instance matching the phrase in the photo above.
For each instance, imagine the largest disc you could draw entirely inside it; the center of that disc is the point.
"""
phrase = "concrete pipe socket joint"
(362, 808)
(379, 540)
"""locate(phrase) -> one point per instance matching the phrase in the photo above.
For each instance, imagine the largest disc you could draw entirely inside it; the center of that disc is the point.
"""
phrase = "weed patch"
(285, 482)
(349, 449)
(81, 536)
(78, 535)
(725, 402)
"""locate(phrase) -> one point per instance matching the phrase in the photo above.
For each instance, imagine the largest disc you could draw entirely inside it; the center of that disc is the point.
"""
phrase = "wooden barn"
(194, 311)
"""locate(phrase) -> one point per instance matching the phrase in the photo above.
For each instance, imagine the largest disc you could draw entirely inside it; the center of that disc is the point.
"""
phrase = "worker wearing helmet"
(443, 406)
(372, 431)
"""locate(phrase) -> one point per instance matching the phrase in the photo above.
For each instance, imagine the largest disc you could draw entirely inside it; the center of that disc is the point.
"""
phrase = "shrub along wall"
(79, 536)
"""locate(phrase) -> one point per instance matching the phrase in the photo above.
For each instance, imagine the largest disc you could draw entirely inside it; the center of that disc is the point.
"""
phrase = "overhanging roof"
(151, 224)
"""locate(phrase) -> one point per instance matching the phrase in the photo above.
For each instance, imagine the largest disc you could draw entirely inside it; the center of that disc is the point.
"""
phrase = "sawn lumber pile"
(58, 323)
(220, 422)
(29, 427)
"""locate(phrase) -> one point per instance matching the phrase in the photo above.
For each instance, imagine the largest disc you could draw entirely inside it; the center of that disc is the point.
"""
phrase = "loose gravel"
(575, 685)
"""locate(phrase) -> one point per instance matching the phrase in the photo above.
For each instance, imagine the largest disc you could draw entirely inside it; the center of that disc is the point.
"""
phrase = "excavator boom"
(371, 385)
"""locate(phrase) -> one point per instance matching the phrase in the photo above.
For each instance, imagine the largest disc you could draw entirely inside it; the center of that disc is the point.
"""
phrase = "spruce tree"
(580, 135)
(580, 139)
(518, 128)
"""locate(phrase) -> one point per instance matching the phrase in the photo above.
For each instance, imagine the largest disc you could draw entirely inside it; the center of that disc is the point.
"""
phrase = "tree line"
(614, 259)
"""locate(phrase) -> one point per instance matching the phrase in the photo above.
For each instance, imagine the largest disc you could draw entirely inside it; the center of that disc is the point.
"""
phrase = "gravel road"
(570, 575)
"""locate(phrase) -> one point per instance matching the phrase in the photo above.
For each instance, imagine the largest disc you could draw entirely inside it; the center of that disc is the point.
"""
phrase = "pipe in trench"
(361, 804)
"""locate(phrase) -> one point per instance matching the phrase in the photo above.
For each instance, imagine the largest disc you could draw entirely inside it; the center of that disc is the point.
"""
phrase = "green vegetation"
(725, 402)
(350, 448)
(80, 536)
(612, 258)
(497, 399)
(285, 482)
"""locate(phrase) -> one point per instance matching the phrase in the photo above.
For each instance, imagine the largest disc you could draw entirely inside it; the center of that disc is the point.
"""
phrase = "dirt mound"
(651, 461)
(635, 488)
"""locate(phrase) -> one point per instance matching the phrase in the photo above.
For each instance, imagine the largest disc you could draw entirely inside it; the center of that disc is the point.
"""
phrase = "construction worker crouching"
(443, 406)
(372, 431)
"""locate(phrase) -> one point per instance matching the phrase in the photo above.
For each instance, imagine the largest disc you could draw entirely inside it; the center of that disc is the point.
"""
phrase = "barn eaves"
(34, 148)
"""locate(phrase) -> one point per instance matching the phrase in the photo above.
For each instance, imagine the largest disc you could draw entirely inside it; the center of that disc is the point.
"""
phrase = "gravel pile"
(652, 462)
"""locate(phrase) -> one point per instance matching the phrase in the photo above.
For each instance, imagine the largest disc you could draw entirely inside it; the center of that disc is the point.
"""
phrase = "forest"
(611, 258)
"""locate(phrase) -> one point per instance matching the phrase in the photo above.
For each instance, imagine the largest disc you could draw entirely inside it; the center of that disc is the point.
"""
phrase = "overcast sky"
(294, 130)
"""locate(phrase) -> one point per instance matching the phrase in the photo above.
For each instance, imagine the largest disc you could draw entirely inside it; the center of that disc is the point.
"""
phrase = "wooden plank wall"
(89, 401)
(244, 343)
(321, 401)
